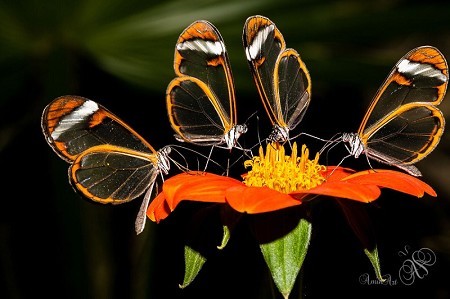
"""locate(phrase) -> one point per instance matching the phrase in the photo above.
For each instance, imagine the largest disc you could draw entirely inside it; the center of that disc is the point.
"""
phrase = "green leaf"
(194, 262)
(285, 254)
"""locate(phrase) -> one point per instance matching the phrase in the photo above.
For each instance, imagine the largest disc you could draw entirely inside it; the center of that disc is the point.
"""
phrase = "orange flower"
(278, 181)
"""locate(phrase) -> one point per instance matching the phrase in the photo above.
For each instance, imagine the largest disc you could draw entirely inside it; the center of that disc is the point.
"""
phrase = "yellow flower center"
(283, 173)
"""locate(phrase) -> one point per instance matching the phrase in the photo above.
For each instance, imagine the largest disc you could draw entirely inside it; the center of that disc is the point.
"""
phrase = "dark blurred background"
(120, 54)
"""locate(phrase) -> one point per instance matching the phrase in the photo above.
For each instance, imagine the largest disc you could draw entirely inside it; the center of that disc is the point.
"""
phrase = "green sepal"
(374, 259)
(285, 247)
(230, 218)
(202, 237)
(225, 238)
(194, 262)
(359, 220)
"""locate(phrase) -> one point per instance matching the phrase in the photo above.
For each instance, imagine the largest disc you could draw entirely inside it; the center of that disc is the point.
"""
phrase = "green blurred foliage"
(120, 53)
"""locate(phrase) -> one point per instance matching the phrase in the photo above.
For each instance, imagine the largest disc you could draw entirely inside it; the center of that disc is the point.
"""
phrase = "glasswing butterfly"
(109, 162)
(403, 125)
(281, 77)
(200, 100)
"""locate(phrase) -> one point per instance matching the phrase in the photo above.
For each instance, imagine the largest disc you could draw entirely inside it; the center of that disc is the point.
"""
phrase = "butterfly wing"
(281, 77)
(111, 174)
(201, 99)
(110, 162)
(403, 124)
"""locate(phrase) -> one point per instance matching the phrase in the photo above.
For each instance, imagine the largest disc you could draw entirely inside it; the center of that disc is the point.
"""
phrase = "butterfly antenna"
(339, 164)
(311, 136)
(251, 115)
(198, 154)
(329, 146)
(332, 142)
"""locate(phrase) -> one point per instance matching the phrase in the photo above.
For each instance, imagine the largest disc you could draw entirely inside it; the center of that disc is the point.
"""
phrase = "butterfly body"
(355, 145)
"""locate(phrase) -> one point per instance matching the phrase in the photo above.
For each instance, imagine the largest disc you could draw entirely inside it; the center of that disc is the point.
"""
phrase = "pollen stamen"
(283, 173)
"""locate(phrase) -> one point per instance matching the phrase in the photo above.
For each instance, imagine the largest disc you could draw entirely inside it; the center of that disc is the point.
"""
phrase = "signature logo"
(387, 280)
(416, 265)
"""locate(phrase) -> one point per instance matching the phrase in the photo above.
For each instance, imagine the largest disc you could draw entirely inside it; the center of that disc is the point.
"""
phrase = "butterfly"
(280, 75)
(200, 100)
(402, 124)
(109, 162)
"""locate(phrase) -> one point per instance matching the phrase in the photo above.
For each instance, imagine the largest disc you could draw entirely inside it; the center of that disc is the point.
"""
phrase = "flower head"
(276, 181)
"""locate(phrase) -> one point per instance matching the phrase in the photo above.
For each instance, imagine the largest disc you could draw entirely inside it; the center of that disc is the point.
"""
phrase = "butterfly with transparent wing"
(402, 124)
(110, 163)
(280, 75)
(200, 100)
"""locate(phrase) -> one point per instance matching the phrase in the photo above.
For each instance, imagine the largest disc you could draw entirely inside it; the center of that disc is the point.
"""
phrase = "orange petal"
(363, 193)
(391, 179)
(255, 200)
(158, 209)
(196, 186)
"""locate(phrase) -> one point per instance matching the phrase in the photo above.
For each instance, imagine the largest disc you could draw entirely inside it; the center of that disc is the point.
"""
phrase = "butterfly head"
(233, 135)
(278, 134)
